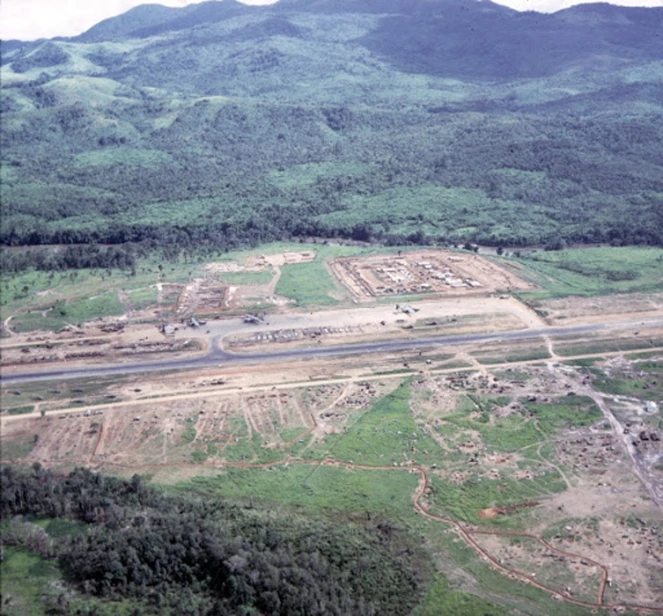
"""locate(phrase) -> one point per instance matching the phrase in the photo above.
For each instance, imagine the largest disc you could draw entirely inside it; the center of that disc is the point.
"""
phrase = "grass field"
(513, 352)
(73, 312)
(309, 284)
(441, 599)
(463, 502)
(568, 413)
(25, 579)
(569, 346)
(313, 487)
(143, 298)
(386, 435)
(594, 271)
(31, 585)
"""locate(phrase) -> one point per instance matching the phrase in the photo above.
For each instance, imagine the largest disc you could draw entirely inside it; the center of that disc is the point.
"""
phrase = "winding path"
(465, 532)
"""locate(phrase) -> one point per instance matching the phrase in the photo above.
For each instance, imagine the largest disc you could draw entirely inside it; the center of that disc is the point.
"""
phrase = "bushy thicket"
(199, 555)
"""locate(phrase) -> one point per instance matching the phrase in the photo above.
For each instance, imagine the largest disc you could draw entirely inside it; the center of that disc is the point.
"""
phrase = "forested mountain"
(397, 120)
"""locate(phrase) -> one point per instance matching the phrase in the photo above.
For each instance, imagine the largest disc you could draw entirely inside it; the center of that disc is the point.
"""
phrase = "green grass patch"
(190, 433)
(452, 365)
(60, 527)
(239, 451)
(199, 456)
(308, 284)
(385, 435)
(595, 271)
(441, 599)
(584, 362)
(26, 393)
(17, 448)
(643, 355)
(212, 449)
(63, 313)
(646, 387)
(317, 487)
(143, 298)
(521, 356)
(566, 413)
(249, 278)
(512, 375)
(242, 448)
(510, 433)
(291, 434)
(463, 502)
(20, 410)
(597, 346)
(25, 580)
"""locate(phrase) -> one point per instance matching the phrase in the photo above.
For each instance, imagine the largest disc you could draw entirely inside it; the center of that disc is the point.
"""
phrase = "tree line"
(201, 555)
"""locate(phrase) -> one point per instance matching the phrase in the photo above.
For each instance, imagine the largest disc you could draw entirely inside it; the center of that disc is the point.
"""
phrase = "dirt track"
(468, 533)
(465, 532)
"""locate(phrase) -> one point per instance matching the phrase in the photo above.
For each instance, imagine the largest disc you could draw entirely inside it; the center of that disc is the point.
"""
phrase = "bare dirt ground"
(143, 432)
(594, 543)
(96, 343)
(107, 339)
(586, 309)
(381, 324)
(429, 271)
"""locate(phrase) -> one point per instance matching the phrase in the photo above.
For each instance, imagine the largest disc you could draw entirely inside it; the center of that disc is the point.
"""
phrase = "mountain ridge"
(234, 124)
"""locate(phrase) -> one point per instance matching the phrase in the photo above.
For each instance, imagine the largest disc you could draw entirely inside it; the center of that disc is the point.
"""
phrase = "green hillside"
(436, 120)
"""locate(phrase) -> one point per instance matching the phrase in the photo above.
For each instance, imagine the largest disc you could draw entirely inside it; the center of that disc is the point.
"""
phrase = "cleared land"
(533, 469)
(530, 465)
(423, 272)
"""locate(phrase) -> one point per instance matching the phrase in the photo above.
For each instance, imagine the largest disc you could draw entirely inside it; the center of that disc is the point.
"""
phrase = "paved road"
(217, 356)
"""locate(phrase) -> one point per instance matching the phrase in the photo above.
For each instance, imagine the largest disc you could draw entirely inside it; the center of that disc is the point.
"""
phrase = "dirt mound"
(493, 512)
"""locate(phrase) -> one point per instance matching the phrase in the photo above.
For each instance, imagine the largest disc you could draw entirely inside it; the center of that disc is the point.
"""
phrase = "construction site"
(216, 292)
(528, 435)
(423, 273)
(498, 450)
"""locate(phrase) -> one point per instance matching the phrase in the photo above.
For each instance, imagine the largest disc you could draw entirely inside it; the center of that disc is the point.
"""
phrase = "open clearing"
(540, 469)
(423, 272)
(533, 469)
